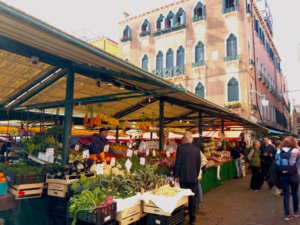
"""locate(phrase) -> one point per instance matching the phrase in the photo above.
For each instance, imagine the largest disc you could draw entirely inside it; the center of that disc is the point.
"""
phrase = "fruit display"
(209, 147)
(166, 191)
(2, 177)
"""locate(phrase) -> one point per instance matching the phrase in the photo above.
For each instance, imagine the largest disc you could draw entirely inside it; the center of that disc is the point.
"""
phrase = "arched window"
(126, 34)
(145, 29)
(159, 60)
(231, 47)
(170, 58)
(145, 62)
(230, 5)
(159, 22)
(200, 90)
(233, 90)
(199, 12)
(180, 17)
(169, 20)
(199, 52)
(180, 56)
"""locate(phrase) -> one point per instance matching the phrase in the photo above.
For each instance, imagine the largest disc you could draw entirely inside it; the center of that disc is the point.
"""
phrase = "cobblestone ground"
(232, 203)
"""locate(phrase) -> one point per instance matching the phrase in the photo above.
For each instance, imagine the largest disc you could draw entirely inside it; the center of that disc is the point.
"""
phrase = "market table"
(209, 178)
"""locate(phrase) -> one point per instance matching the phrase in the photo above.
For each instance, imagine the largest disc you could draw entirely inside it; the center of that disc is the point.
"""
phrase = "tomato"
(2, 175)
(3, 179)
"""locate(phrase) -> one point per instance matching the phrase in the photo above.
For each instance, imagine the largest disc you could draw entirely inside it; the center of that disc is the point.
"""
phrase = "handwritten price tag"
(113, 162)
(77, 147)
(142, 161)
(100, 169)
(129, 153)
(49, 152)
(147, 152)
(106, 148)
(154, 153)
(85, 154)
(128, 165)
(168, 154)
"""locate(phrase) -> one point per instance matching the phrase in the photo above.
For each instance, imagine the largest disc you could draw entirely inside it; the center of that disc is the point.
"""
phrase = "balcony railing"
(170, 72)
(198, 18)
(230, 9)
(124, 39)
(169, 29)
(231, 58)
(145, 33)
(198, 64)
(158, 72)
(167, 72)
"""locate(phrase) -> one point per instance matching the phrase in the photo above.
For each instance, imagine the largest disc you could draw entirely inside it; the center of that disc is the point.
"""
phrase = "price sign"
(168, 154)
(99, 169)
(143, 161)
(49, 152)
(85, 154)
(171, 150)
(106, 148)
(135, 152)
(128, 165)
(147, 152)
(77, 147)
(129, 153)
(154, 153)
(113, 162)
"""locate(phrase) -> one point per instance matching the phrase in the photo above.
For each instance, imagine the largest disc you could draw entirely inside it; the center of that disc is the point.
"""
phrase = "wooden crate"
(129, 215)
(26, 191)
(68, 180)
(151, 208)
(57, 190)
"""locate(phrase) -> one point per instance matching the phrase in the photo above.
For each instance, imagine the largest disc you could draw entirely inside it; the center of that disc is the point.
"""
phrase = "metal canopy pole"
(117, 134)
(68, 115)
(222, 125)
(200, 130)
(161, 125)
(222, 131)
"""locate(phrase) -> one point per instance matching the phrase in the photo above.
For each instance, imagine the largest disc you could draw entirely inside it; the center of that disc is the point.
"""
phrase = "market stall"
(63, 77)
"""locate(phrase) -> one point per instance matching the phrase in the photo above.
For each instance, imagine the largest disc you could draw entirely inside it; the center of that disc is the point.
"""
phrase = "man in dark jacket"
(267, 156)
(100, 142)
(187, 168)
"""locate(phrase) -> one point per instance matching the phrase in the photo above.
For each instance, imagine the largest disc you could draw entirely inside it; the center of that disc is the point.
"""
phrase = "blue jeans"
(238, 167)
(290, 184)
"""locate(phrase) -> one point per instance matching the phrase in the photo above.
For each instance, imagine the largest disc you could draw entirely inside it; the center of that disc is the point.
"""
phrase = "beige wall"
(213, 32)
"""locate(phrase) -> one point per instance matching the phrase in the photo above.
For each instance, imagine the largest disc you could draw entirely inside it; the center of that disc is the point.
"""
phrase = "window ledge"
(228, 14)
(199, 22)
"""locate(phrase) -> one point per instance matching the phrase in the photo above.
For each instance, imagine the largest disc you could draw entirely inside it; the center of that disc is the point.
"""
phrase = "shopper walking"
(202, 170)
(267, 155)
(236, 156)
(187, 168)
(254, 159)
(286, 159)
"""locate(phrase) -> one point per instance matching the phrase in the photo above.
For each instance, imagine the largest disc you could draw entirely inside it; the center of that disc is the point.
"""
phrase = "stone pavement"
(232, 203)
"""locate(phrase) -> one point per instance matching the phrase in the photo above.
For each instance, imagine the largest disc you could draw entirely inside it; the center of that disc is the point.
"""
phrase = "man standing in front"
(100, 142)
(267, 156)
(187, 168)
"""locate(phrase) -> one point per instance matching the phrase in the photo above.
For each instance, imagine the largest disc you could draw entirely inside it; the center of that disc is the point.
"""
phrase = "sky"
(101, 17)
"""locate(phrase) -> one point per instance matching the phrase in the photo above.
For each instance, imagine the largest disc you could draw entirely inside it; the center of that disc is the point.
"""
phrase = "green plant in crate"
(87, 201)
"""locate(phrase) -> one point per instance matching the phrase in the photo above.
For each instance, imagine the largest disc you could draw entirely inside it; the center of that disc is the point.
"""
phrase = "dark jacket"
(270, 150)
(187, 164)
(98, 144)
(235, 153)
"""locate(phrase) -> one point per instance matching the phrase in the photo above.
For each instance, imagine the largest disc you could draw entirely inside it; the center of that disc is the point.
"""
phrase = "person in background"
(289, 180)
(236, 156)
(267, 156)
(99, 141)
(187, 169)
(202, 170)
(254, 159)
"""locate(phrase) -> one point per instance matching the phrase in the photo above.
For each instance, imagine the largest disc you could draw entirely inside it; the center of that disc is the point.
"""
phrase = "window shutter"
(223, 5)
(204, 11)
(183, 18)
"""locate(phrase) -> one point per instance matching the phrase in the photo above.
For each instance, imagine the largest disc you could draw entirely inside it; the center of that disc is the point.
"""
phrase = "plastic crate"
(100, 216)
(176, 218)
(3, 188)
(14, 179)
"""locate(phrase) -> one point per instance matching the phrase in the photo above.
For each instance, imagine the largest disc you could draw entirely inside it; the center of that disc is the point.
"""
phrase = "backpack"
(284, 166)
